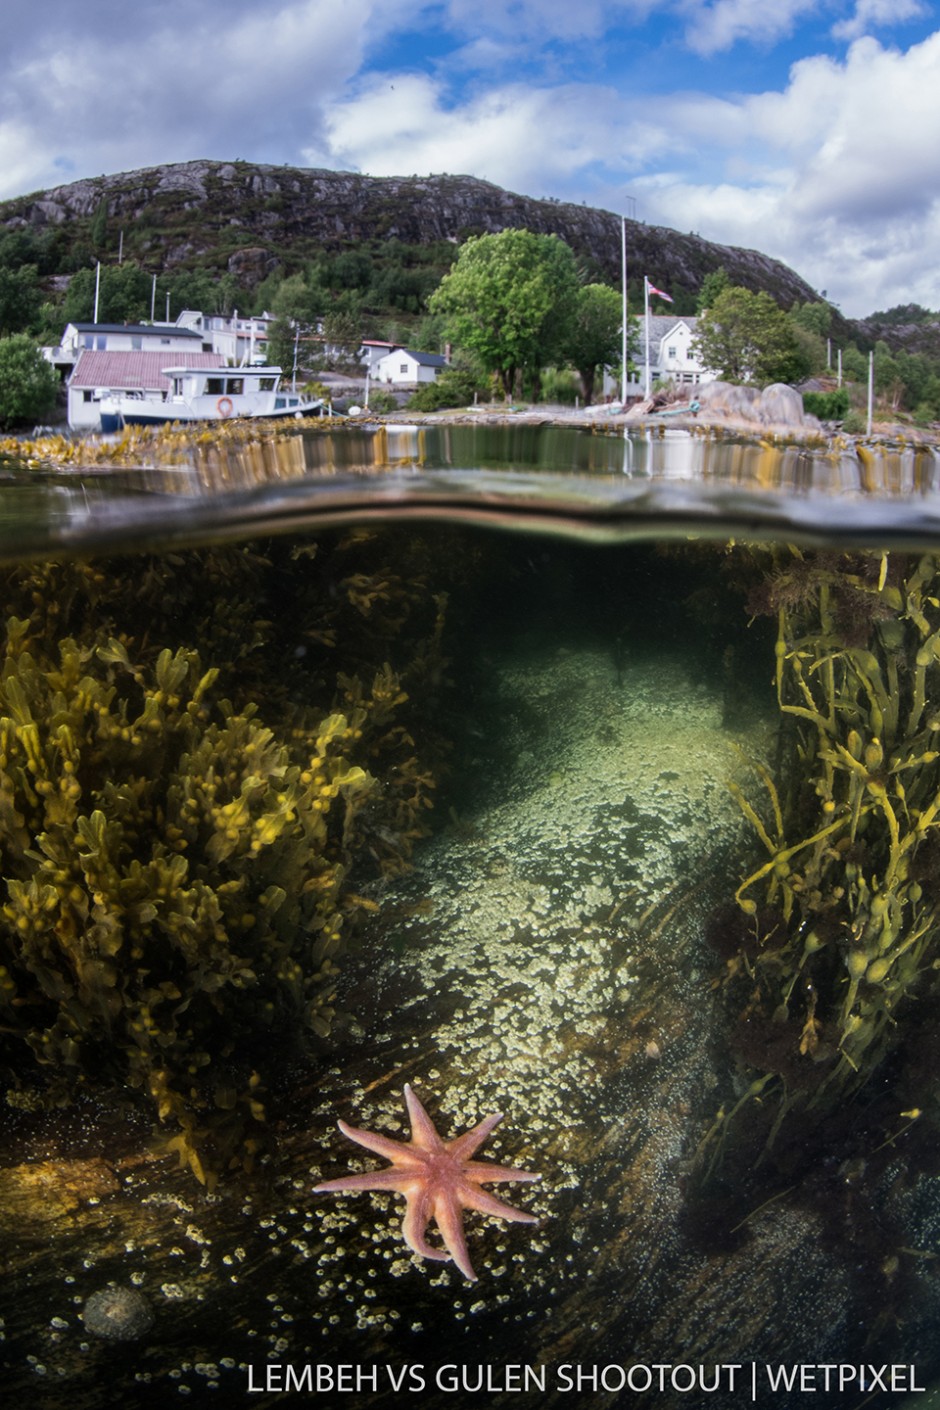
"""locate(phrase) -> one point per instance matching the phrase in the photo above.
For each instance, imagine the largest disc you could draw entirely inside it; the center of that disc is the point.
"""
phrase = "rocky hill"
(248, 219)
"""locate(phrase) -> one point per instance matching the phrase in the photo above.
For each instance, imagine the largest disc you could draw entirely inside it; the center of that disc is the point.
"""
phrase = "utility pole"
(623, 276)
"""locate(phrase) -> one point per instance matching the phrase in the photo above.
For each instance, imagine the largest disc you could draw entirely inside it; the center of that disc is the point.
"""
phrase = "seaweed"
(842, 915)
(181, 871)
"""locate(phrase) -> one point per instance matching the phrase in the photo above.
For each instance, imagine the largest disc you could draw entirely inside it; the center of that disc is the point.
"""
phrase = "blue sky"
(807, 129)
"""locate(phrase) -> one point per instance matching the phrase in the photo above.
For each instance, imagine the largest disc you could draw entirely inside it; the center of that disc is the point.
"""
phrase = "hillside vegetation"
(388, 240)
(359, 256)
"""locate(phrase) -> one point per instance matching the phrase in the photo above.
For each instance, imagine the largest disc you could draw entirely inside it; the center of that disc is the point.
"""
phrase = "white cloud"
(875, 14)
(225, 83)
(835, 173)
(854, 200)
(401, 124)
(718, 25)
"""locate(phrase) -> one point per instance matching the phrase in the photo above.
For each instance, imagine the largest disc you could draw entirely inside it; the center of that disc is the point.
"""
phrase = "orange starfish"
(438, 1180)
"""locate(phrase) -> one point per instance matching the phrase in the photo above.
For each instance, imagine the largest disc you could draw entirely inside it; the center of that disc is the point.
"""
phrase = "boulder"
(777, 405)
(782, 405)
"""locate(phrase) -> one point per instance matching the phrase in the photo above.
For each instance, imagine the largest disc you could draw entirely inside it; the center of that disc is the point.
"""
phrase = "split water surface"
(590, 780)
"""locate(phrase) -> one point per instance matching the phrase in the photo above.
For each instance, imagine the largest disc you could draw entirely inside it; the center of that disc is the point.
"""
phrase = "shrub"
(28, 383)
(828, 406)
(560, 385)
(381, 401)
(452, 388)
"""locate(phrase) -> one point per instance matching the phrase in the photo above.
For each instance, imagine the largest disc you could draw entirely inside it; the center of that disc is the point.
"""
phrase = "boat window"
(266, 384)
(215, 386)
(236, 385)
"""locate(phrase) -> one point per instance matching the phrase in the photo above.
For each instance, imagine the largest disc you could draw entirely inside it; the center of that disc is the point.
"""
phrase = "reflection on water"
(661, 482)
(672, 911)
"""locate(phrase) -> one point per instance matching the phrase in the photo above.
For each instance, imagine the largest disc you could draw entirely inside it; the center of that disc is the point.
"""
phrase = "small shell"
(118, 1314)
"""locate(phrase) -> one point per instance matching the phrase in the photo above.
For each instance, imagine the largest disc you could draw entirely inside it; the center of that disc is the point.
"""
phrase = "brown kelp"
(839, 922)
(183, 839)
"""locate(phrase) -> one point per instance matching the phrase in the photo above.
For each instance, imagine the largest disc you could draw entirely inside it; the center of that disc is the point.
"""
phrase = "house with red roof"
(99, 375)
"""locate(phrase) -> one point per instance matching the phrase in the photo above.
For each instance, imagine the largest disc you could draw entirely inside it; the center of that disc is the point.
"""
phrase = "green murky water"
(438, 757)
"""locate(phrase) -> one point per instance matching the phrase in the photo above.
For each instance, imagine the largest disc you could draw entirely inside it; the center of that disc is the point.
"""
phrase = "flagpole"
(623, 275)
(646, 311)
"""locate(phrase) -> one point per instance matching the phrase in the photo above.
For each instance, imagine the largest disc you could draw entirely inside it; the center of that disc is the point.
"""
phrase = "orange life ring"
(224, 406)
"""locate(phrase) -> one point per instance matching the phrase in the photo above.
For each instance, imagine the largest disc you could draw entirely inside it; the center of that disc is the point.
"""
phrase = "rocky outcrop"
(777, 405)
(195, 204)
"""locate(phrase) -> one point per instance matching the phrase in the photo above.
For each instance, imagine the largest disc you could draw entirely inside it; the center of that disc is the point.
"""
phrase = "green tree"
(282, 341)
(888, 379)
(595, 339)
(746, 337)
(510, 300)
(28, 383)
(19, 298)
(295, 299)
(854, 363)
(814, 317)
(713, 284)
(342, 332)
(99, 224)
(123, 296)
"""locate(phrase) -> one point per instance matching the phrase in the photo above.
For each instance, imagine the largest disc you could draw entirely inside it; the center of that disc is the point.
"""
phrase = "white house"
(98, 374)
(403, 368)
(125, 337)
(239, 339)
(372, 350)
(672, 358)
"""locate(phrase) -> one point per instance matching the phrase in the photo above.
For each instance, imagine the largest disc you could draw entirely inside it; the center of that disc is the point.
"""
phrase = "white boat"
(208, 394)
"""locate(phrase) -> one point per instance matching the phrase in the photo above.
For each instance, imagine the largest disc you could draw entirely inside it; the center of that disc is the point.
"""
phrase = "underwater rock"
(46, 1190)
(118, 1314)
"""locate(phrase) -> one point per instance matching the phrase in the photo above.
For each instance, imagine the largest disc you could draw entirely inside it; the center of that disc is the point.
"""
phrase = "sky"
(807, 129)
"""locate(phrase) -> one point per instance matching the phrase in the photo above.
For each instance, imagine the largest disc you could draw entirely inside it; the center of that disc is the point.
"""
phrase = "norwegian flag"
(659, 292)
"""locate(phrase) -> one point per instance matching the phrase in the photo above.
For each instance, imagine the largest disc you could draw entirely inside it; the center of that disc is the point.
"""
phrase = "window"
(671, 352)
(215, 386)
(403, 367)
(236, 385)
(137, 342)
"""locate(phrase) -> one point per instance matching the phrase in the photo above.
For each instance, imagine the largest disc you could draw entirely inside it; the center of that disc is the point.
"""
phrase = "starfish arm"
(483, 1174)
(417, 1215)
(369, 1180)
(471, 1197)
(463, 1147)
(398, 1151)
(423, 1133)
(449, 1219)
